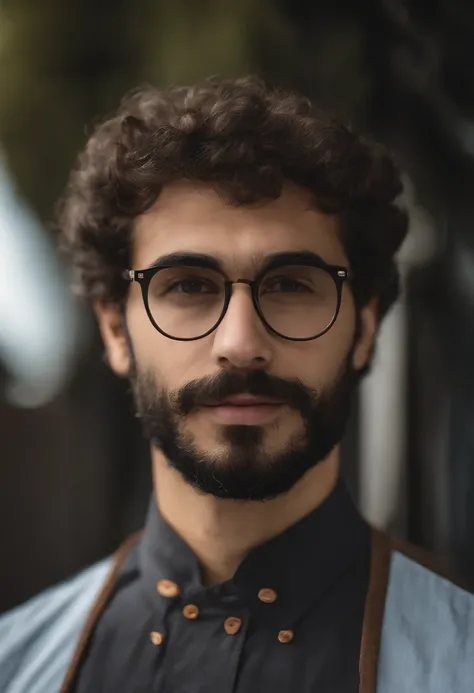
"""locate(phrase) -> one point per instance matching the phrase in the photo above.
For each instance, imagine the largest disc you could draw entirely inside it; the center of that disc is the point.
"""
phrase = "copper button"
(156, 638)
(167, 588)
(267, 595)
(191, 612)
(285, 636)
(232, 625)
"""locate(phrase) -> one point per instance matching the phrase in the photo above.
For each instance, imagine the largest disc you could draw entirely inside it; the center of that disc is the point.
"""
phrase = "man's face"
(241, 413)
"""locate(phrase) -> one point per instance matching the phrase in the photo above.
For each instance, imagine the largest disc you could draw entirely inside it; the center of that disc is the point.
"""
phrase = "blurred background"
(74, 472)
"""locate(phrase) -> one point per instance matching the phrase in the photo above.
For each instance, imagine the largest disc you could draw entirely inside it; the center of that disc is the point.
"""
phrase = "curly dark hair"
(245, 139)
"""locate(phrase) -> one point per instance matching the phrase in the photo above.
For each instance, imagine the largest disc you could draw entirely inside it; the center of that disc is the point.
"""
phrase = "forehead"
(194, 218)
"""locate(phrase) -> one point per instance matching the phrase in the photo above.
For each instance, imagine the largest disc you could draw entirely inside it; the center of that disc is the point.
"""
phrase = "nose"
(241, 340)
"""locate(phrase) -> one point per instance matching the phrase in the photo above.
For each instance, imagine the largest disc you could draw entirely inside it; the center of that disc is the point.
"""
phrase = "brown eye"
(193, 285)
(286, 285)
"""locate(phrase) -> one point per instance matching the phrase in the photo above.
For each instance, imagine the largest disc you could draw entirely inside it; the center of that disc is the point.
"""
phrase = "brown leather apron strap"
(381, 549)
(96, 612)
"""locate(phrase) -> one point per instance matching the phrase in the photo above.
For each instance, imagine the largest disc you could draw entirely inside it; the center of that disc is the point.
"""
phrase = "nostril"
(242, 363)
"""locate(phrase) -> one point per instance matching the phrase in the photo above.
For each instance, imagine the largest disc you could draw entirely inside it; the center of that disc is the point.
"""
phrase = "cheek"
(319, 362)
(174, 363)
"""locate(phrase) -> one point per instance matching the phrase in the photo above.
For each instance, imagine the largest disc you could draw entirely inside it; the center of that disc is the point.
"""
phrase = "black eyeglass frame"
(143, 277)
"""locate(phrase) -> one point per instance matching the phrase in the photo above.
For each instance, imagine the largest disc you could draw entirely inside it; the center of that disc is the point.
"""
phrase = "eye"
(192, 285)
(286, 285)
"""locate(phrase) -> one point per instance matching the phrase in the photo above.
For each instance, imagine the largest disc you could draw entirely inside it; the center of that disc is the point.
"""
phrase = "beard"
(242, 470)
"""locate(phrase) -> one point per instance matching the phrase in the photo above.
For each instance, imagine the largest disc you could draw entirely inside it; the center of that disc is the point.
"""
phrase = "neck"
(222, 532)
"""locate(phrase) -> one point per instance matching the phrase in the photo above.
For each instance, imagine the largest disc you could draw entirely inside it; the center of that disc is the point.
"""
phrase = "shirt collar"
(299, 565)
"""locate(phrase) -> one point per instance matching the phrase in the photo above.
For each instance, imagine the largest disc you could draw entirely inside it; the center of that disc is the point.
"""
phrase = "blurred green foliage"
(63, 64)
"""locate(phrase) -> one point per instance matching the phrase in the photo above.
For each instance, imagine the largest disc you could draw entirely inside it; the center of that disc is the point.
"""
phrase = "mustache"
(204, 391)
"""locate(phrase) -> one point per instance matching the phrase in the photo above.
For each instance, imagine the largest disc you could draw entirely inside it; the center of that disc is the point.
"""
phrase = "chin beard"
(245, 471)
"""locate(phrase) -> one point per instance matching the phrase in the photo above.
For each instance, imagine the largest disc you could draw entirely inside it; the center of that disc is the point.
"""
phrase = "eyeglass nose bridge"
(253, 286)
(249, 282)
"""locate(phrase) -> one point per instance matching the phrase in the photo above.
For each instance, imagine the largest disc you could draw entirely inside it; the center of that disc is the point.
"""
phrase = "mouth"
(245, 410)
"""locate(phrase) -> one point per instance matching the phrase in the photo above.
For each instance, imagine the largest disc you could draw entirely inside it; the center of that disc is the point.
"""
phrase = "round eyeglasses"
(299, 302)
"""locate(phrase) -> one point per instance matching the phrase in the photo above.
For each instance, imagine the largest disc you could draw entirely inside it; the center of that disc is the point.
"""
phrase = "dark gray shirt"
(289, 621)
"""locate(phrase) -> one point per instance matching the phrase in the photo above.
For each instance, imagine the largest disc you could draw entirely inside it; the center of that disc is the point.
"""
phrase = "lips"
(244, 410)
(245, 400)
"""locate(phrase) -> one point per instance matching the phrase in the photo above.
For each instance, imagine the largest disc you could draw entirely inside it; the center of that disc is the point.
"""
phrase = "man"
(238, 248)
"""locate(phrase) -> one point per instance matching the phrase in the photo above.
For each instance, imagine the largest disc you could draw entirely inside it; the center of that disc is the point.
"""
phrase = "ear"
(114, 337)
(364, 346)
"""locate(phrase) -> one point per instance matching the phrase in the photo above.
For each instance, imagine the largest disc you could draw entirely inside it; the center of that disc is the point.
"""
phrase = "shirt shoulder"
(428, 629)
(38, 638)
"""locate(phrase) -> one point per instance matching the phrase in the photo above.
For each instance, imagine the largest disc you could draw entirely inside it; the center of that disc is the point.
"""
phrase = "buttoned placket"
(190, 616)
(232, 624)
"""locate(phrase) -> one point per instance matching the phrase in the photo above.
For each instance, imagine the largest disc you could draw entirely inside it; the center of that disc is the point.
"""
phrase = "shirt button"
(286, 636)
(156, 638)
(232, 625)
(167, 588)
(267, 595)
(191, 612)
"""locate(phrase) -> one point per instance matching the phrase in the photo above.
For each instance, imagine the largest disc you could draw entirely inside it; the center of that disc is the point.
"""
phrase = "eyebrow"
(272, 261)
(187, 259)
(299, 257)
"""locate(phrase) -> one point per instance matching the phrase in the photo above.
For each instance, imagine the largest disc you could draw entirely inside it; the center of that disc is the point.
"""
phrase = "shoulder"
(38, 638)
(428, 623)
(438, 591)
